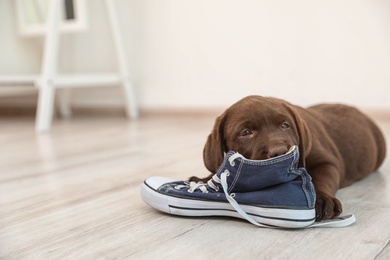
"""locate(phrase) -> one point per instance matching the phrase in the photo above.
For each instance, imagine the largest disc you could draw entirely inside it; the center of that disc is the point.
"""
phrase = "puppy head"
(258, 128)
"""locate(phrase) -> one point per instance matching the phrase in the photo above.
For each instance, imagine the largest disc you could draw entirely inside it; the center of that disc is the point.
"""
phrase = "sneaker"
(267, 193)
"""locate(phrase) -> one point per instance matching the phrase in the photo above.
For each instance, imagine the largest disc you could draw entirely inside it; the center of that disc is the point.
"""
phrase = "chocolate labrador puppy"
(338, 144)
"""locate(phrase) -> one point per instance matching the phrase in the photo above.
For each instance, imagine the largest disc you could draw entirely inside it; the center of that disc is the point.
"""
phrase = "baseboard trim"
(30, 110)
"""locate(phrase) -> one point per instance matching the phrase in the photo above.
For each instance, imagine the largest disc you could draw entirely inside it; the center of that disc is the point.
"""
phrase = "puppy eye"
(246, 132)
(285, 125)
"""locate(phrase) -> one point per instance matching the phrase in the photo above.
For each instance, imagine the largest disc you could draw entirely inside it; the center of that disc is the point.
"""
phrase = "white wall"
(209, 53)
(16, 55)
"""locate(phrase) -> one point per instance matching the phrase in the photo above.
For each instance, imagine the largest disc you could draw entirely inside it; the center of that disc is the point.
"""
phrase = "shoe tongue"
(251, 175)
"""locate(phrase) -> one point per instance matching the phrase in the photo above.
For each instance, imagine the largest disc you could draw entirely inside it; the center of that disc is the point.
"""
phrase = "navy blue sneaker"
(267, 193)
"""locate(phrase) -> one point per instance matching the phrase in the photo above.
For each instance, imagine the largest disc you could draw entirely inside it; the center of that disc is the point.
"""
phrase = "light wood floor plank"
(74, 194)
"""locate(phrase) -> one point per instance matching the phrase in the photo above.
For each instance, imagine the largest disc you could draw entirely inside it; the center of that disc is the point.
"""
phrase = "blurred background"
(207, 54)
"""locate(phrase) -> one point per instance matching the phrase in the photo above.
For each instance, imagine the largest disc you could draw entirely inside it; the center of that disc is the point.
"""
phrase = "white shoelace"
(211, 183)
(233, 202)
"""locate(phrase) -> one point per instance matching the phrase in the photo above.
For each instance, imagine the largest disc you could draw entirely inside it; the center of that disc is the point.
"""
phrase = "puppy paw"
(327, 207)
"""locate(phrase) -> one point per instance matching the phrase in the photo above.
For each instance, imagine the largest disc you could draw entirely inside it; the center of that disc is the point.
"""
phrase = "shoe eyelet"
(190, 191)
(232, 195)
(227, 173)
(232, 163)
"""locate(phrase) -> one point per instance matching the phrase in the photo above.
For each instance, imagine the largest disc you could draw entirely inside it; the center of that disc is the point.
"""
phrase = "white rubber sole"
(267, 217)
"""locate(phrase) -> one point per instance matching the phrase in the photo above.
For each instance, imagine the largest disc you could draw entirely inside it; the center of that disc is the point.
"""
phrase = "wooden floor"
(75, 194)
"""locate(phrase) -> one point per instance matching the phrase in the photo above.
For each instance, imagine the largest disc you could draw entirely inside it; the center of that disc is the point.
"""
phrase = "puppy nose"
(276, 151)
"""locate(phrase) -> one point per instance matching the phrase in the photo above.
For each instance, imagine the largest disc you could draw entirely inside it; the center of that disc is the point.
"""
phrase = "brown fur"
(338, 144)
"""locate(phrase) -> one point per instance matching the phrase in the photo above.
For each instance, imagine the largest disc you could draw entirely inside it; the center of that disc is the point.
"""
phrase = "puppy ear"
(304, 136)
(215, 146)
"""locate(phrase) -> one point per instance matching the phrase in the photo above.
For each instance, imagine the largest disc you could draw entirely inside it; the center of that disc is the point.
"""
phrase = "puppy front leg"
(326, 179)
